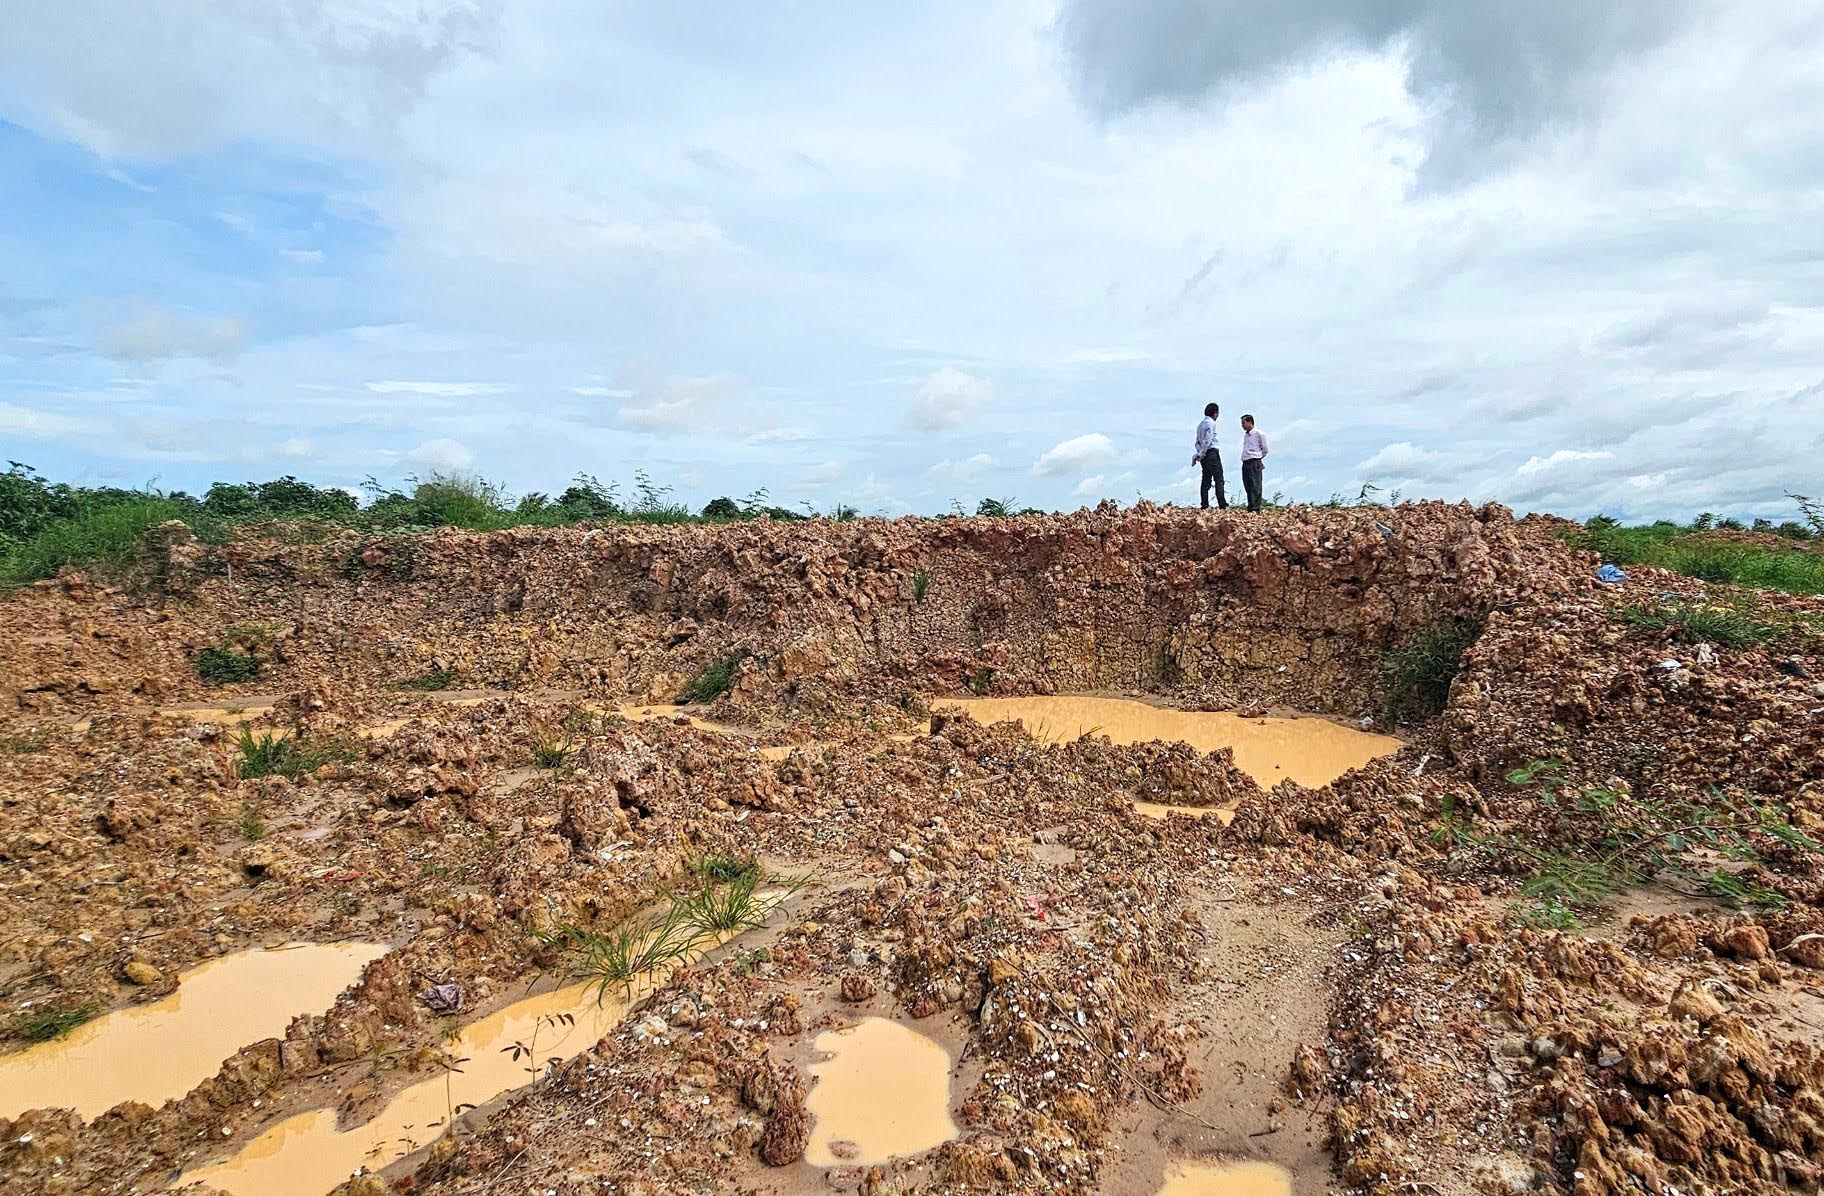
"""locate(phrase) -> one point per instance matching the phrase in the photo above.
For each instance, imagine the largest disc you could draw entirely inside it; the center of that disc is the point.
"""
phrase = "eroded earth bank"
(323, 853)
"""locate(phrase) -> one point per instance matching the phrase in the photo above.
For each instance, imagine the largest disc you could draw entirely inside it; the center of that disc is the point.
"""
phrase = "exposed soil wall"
(1292, 608)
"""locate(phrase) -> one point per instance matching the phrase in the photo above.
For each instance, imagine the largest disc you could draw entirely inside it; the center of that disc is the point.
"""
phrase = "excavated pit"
(1322, 983)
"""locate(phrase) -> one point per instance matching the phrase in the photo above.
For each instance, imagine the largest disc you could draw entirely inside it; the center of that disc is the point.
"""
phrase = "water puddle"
(883, 1093)
(1311, 751)
(1226, 1179)
(1153, 809)
(153, 1053)
(307, 1155)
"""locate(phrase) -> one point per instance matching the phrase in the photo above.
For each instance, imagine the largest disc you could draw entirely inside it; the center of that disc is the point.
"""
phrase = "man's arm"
(1263, 443)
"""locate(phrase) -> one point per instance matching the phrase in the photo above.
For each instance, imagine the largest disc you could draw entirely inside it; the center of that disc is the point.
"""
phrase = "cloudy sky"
(1563, 254)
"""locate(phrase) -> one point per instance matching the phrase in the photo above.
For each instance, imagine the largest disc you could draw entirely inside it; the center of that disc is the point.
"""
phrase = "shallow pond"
(307, 1155)
(1311, 751)
(153, 1053)
(883, 1092)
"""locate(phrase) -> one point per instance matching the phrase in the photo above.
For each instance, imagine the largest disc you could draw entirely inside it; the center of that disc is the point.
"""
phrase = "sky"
(1562, 255)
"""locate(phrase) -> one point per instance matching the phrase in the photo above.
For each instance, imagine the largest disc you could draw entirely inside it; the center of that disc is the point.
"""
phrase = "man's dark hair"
(1248, 418)
(1210, 409)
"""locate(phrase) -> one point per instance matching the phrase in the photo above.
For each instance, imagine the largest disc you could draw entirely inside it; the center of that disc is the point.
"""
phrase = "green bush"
(222, 666)
(113, 534)
(715, 678)
(1416, 676)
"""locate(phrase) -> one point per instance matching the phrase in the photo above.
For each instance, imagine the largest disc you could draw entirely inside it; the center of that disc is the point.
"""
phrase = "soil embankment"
(1600, 978)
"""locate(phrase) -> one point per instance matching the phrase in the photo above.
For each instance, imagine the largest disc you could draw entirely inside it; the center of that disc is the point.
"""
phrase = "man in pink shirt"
(1253, 461)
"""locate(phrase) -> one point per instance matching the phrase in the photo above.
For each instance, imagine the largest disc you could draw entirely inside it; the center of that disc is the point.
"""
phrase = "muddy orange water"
(152, 1053)
(307, 1155)
(1227, 1179)
(883, 1093)
(1311, 751)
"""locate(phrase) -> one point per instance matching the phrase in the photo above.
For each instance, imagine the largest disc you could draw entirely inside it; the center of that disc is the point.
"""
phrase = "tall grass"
(1794, 570)
(115, 533)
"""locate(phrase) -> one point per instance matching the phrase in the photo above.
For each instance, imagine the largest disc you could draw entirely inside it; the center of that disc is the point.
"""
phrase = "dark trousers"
(1212, 473)
(1250, 481)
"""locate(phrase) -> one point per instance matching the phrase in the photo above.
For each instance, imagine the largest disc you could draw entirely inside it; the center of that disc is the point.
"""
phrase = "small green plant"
(222, 666)
(717, 908)
(721, 868)
(253, 825)
(1416, 676)
(430, 681)
(921, 585)
(1545, 914)
(529, 1051)
(551, 753)
(715, 678)
(25, 743)
(50, 1022)
(980, 680)
(265, 754)
(637, 947)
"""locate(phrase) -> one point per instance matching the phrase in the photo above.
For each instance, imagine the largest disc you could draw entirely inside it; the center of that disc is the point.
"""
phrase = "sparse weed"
(1416, 676)
(980, 681)
(551, 753)
(921, 585)
(716, 908)
(25, 743)
(722, 868)
(253, 825)
(1603, 841)
(715, 678)
(432, 680)
(635, 948)
(1735, 625)
(222, 666)
(50, 1022)
(266, 754)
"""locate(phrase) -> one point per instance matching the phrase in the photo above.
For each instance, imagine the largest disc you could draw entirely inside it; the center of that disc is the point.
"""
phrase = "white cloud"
(441, 453)
(1402, 459)
(948, 399)
(674, 406)
(446, 390)
(817, 476)
(295, 446)
(1535, 465)
(143, 331)
(23, 421)
(1076, 455)
(963, 472)
(1089, 487)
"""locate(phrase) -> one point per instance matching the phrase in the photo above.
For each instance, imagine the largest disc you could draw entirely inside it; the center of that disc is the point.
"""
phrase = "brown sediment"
(156, 1052)
(1310, 751)
(1331, 974)
(883, 1092)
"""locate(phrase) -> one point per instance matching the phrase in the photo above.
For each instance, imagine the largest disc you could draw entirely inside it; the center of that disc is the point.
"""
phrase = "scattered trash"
(1670, 665)
(442, 999)
(1706, 654)
(1611, 575)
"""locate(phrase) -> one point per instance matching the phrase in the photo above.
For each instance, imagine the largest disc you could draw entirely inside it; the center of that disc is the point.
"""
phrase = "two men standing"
(1206, 454)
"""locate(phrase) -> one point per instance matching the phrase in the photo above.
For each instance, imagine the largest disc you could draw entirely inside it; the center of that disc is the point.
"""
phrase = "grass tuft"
(715, 678)
(430, 681)
(44, 1025)
(265, 755)
(223, 666)
(1416, 676)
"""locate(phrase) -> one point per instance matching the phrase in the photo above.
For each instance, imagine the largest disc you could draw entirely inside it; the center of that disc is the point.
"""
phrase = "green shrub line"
(1688, 549)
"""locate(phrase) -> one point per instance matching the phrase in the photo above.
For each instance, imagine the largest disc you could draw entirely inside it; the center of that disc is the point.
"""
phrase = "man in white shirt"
(1253, 461)
(1204, 453)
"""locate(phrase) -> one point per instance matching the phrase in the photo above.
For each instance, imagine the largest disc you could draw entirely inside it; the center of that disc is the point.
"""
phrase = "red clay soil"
(1344, 981)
